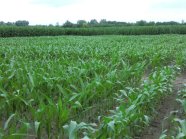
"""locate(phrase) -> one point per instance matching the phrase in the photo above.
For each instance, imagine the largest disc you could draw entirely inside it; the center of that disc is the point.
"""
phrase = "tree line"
(95, 23)
(105, 23)
(17, 23)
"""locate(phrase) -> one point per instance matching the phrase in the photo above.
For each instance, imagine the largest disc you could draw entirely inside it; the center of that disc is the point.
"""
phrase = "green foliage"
(73, 128)
(93, 22)
(136, 105)
(84, 30)
(178, 130)
(82, 23)
(21, 23)
(68, 24)
(54, 87)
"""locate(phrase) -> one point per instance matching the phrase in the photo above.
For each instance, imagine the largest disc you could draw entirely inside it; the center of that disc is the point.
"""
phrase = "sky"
(47, 12)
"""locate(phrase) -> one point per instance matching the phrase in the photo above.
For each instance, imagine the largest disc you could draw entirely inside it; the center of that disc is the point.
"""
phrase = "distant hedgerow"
(14, 31)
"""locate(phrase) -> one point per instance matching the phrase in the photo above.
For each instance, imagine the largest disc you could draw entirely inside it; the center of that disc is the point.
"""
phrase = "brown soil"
(167, 105)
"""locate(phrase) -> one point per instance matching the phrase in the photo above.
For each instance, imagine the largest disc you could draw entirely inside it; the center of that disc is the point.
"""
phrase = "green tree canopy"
(21, 23)
(81, 23)
(68, 24)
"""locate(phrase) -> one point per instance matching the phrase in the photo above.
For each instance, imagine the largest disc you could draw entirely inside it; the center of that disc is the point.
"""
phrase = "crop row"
(177, 119)
(135, 109)
(45, 82)
(13, 31)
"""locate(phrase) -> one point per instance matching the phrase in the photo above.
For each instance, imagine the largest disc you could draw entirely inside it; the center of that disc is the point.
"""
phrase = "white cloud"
(52, 11)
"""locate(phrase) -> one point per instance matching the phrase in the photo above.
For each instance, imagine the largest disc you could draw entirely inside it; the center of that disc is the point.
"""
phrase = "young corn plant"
(178, 130)
(135, 108)
(75, 76)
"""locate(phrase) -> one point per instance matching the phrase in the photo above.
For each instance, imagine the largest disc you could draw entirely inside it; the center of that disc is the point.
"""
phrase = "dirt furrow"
(167, 105)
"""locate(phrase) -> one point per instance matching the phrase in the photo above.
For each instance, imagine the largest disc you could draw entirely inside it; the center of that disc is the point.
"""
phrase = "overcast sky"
(53, 11)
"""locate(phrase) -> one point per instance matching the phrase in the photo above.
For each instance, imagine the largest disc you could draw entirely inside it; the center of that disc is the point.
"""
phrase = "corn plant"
(47, 82)
(178, 131)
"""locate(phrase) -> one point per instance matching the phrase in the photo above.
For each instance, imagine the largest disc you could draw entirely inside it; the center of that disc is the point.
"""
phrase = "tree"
(68, 24)
(51, 25)
(21, 23)
(151, 23)
(82, 23)
(103, 21)
(2, 23)
(93, 22)
(10, 23)
(172, 23)
(141, 23)
(57, 24)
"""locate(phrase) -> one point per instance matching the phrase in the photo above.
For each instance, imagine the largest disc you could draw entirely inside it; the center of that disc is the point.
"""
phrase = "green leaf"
(124, 93)
(75, 95)
(183, 103)
(131, 108)
(78, 104)
(3, 93)
(28, 125)
(31, 79)
(182, 124)
(12, 75)
(72, 129)
(86, 137)
(147, 119)
(180, 135)
(111, 125)
(163, 136)
(65, 95)
(37, 126)
(8, 121)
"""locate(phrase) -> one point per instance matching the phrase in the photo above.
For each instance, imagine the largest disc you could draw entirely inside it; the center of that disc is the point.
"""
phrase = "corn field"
(95, 87)
(15, 31)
